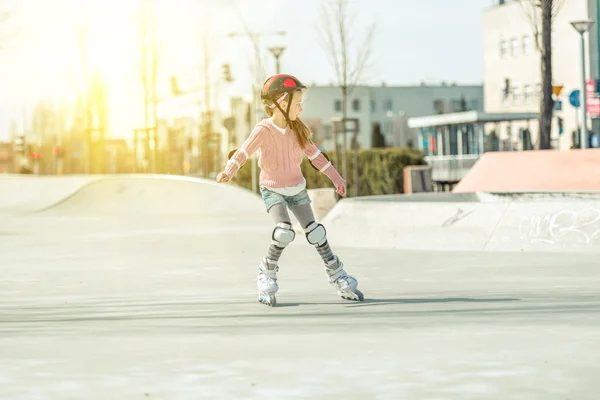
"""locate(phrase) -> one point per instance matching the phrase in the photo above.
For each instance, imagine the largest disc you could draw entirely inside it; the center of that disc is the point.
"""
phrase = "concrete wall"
(526, 222)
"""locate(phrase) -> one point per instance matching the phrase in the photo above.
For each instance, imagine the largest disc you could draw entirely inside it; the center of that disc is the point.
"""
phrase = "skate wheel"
(356, 295)
(359, 294)
(268, 300)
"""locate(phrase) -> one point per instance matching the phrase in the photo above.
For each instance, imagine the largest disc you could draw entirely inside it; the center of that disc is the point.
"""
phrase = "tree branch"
(363, 57)
(557, 5)
(341, 23)
(336, 22)
(259, 67)
(532, 15)
(327, 36)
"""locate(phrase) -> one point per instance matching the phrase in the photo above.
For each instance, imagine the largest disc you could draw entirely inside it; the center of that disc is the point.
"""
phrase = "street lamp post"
(277, 52)
(582, 26)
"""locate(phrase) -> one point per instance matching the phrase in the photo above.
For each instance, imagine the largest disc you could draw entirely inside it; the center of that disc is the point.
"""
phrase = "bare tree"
(349, 60)
(541, 15)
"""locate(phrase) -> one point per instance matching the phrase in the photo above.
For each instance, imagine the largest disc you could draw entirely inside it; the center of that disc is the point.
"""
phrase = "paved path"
(107, 307)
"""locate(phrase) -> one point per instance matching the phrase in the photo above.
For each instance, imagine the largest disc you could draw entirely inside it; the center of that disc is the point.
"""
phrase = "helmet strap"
(286, 114)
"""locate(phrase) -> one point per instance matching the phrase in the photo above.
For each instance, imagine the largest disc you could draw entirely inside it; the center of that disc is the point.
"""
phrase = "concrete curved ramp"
(518, 222)
(151, 195)
(27, 193)
(125, 195)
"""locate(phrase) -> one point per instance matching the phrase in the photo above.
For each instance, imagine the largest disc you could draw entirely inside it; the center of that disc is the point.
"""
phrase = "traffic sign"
(593, 107)
(590, 87)
(558, 105)
(556, 89)
(574, 98)
(592, 102)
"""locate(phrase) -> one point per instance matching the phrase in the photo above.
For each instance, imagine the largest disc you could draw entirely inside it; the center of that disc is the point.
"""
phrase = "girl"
(281, 140)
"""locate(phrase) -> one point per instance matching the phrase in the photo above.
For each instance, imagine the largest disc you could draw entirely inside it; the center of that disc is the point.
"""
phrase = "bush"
(380, 171)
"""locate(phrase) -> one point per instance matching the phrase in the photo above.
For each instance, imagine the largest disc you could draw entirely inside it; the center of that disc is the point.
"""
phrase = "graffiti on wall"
(582, 226)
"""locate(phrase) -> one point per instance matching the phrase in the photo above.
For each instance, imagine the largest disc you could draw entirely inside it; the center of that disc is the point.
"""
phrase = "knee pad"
(283, 234)
(316, 234)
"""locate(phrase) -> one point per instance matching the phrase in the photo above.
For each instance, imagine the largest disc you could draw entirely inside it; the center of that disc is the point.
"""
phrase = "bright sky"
(431, 40)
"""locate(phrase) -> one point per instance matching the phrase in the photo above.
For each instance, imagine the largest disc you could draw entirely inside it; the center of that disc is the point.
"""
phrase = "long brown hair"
(303, 133)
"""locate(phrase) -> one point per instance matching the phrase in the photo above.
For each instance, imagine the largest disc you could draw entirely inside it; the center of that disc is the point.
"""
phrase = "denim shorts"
(271, 198)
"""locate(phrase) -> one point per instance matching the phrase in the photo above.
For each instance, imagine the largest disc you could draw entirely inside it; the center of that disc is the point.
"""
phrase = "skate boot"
(345, 284)
(267, 282)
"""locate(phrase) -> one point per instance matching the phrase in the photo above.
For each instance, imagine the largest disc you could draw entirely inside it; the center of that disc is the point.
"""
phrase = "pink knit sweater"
(280, 157)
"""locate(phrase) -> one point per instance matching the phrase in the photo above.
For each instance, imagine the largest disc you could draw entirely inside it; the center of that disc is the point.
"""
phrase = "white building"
(388, 106)
(512, 61)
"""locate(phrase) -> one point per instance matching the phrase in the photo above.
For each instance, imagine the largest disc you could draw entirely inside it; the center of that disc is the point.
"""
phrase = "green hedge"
(379, 171)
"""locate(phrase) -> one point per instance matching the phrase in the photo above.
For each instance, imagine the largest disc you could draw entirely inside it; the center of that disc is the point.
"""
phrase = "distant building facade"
(512, 74)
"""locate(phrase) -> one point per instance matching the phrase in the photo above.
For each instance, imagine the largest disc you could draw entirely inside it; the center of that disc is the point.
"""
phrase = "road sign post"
(575, 101)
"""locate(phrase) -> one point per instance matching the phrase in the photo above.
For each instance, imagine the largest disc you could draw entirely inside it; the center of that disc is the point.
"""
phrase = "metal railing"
(451, 168)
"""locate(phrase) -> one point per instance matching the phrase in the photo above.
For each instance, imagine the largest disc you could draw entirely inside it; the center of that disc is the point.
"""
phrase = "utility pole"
(145, 77)
(583, 26)
(154, 64)
(598, 35)
(149, 67)
(208, 111)
(87, 148)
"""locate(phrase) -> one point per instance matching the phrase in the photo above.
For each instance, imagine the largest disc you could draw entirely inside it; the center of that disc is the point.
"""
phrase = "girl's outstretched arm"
(242, 154)
(320, 162)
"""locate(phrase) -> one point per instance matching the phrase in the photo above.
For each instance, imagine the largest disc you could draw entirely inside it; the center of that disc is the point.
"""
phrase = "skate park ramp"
(469, 221)
(27, 193)
(126, 195)
(534, 171)
(103, 300)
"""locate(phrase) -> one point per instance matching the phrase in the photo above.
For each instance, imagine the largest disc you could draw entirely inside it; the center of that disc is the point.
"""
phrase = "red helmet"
(280, 83)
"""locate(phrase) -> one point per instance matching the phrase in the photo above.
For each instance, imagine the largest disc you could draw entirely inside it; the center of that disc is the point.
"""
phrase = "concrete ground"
(104, 307)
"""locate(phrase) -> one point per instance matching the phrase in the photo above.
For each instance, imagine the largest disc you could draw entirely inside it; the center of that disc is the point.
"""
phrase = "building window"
(388, 130)
(514, 47)
(527, 94)
(372, 105)
(438, 106)
(503, 49)
(516, 94)
(474, 104)
(456, 105)
(388, 105)
(526, 45)
(505, 96)
(337, 105)
(356, 105)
